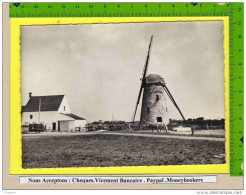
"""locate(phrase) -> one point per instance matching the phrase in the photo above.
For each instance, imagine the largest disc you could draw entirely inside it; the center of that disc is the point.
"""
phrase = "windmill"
(154, 109)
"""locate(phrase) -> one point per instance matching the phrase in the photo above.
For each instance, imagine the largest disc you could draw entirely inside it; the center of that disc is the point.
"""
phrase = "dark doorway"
(59, 126)
(159, 119)
(53, 126)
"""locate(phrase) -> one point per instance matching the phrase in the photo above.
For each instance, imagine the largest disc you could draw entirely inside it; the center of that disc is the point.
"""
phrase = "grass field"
(115, 150)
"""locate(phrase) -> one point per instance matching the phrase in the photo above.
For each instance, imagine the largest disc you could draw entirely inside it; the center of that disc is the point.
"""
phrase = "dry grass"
(115, 150)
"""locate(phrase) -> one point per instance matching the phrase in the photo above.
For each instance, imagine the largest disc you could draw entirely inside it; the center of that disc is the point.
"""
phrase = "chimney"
(30, 94)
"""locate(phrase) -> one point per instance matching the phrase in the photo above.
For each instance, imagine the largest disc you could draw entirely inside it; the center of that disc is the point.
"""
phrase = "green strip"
(116, 9)
(236, 88)
(233, 10)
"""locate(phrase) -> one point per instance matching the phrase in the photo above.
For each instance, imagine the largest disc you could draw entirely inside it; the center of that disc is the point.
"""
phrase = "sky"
(98, 66)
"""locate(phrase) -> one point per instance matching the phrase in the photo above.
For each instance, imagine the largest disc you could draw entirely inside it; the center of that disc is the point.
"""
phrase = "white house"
(53, 111)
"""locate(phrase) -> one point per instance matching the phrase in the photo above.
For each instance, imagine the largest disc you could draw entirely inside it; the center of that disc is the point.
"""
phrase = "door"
(159, 119)
(64, 126)
(53, 126)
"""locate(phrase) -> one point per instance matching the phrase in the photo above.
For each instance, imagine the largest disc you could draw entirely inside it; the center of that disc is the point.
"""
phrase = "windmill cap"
(154, 79)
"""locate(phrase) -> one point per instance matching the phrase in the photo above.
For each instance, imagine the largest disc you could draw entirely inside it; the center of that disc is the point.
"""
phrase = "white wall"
(47, 118)
(80, 123)
(65, 104)
(71, 126)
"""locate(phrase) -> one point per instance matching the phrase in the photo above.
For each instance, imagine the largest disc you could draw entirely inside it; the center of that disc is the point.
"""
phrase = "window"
(148, 110)
(157, 98)
(159, 119)
(64, 108)
(31, 116)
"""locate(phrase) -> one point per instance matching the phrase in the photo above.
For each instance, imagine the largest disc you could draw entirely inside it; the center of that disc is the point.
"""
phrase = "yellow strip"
(15, 101)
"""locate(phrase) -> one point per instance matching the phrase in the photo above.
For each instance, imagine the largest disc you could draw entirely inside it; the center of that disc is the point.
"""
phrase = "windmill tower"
(154, 108)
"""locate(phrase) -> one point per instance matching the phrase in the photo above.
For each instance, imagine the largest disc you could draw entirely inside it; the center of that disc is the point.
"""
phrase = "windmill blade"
(139, 96)
(175, 103)
(172, 99)
(147, 59)
(143, 79)
(169, 96)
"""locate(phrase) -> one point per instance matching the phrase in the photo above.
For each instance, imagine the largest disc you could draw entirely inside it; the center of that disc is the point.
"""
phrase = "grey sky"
(99, 66)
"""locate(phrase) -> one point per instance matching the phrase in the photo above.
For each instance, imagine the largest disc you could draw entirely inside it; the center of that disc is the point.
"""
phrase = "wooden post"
(192, 130)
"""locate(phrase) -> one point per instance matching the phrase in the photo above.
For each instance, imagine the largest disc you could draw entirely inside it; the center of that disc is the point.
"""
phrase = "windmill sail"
(171, 98)
(143, 79)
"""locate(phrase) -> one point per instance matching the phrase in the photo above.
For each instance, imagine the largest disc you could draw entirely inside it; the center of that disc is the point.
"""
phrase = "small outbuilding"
(53, 112)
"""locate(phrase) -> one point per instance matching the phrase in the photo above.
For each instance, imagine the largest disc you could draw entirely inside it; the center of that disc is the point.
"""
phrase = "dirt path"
(49, 134)
(34, 135)
(169, 136)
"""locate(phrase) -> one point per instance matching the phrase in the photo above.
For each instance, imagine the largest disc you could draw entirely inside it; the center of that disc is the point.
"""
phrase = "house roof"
(73, 116)
(22, 109)
(48, 103)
